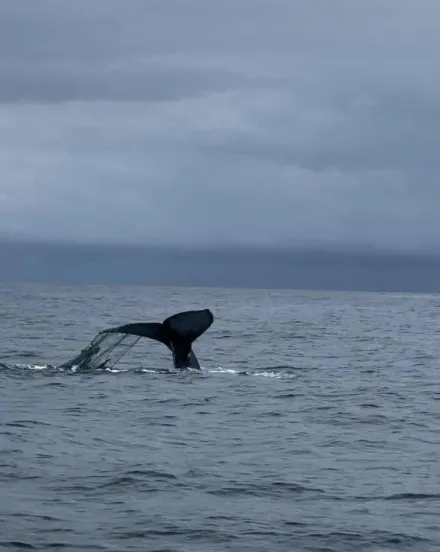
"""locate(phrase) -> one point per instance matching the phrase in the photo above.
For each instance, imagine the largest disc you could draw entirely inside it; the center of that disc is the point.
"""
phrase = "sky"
(235, 123)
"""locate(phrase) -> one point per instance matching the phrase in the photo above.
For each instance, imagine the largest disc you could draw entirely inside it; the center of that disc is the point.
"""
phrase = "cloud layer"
(250, 122)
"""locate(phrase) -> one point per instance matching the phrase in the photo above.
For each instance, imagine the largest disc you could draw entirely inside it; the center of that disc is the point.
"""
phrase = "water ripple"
(328, 443)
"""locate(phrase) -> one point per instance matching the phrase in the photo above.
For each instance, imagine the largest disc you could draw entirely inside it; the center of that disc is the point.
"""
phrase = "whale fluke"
(177, 332)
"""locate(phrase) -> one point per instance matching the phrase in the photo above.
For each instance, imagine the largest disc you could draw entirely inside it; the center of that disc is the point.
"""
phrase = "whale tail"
(178, 333)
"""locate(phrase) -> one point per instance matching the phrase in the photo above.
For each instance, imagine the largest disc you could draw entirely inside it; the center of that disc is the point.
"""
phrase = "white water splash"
(115, 370)
(221, 370)
(32, 366)
(206, 371)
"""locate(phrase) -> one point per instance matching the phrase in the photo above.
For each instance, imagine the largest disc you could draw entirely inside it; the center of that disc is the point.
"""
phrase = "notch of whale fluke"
(178, 333)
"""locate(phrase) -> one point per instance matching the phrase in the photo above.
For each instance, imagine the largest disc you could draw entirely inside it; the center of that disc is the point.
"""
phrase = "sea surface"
(313, 426)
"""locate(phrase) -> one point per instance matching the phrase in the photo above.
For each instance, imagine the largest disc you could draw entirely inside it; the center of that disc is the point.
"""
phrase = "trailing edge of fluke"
(178, 333)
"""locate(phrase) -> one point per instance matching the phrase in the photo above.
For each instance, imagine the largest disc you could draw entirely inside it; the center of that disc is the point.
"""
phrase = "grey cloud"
(273, 122)
(59, 82)
(395, 132)
(55, 51)
(112, 49)
(102, 185)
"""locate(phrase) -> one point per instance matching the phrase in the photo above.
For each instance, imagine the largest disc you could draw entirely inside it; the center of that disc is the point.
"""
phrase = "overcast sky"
(229, 122)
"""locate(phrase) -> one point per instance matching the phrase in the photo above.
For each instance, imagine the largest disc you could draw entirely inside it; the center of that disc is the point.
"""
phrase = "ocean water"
(314, 424)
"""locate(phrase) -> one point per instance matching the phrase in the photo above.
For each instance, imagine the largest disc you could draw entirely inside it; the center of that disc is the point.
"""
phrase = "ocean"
(313, 425)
